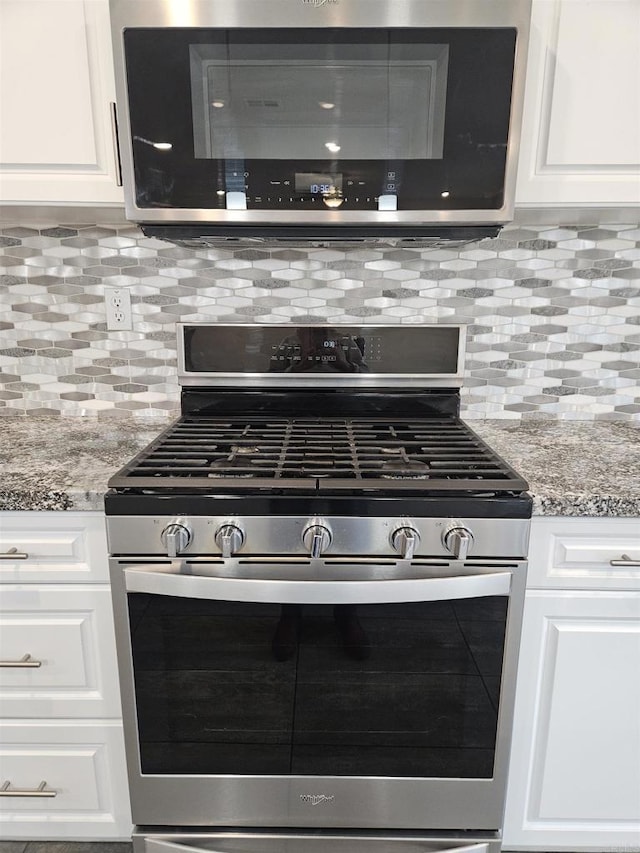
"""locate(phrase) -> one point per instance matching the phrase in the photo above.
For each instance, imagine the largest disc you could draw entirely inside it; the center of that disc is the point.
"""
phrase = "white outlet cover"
(118, 304)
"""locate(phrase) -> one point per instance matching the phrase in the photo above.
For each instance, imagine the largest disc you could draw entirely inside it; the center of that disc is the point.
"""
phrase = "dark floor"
(64, 847)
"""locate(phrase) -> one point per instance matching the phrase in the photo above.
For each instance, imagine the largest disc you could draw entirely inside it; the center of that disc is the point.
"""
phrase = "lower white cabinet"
(82, 766)
(574, 781)
(62, 762)
(66, 634)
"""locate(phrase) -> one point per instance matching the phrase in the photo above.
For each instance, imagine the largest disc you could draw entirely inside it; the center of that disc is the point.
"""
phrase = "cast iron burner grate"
(201, 453)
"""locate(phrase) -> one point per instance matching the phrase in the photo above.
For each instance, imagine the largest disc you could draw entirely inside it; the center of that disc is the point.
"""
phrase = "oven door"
(318, 693)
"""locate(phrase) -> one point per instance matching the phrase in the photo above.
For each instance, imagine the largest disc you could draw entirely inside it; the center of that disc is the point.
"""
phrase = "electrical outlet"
(118, 303)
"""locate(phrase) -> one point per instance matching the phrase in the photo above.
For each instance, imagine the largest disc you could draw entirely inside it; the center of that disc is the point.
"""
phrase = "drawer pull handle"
(25, 662)
(625, 561)
(40, 791)
(13, 554)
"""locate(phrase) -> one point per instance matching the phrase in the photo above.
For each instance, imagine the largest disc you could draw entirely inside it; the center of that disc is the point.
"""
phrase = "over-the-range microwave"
(319, 119)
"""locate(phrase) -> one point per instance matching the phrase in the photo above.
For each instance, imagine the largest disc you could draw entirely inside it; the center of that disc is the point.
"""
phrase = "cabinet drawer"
(57, 651)
(59, 547)
(578, 553)
(83, 767)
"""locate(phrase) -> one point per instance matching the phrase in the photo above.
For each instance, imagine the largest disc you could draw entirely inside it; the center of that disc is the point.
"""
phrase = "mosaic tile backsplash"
(552, 313)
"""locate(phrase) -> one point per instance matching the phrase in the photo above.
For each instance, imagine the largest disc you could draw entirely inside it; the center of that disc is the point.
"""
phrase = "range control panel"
(388, 350)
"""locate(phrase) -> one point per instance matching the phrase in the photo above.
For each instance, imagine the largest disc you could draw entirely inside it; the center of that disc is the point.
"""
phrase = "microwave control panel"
(310, 188)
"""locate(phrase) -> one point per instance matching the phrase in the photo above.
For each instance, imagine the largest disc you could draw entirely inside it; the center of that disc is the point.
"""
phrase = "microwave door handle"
(150, 580)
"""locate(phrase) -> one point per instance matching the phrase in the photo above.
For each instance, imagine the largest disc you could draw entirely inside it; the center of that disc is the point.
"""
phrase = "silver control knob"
(459, 541)
(405, 540)
(316, 539)
(229, 538)
(176, 539)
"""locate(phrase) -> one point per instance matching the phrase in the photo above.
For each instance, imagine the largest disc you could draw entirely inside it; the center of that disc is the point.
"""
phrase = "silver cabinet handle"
(40, 791)
(13, 554)
(116, 142)
(25, 662)
(626, 560)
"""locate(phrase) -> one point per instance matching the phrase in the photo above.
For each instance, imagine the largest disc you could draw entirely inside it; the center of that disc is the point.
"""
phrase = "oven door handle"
(158, 845)
(139, 578)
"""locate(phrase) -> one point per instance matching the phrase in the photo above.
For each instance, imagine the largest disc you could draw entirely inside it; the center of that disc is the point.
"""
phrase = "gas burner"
(402, 466)
(402, 469)
(228, 471)
(234, 464)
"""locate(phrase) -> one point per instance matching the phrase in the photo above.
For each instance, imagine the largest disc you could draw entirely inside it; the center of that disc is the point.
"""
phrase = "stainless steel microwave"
(319, 119)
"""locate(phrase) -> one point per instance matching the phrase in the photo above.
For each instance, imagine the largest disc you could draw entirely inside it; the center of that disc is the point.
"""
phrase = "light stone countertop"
(573, 468)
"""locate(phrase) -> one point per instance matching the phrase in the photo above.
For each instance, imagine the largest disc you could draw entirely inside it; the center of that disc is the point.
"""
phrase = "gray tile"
(57, 331)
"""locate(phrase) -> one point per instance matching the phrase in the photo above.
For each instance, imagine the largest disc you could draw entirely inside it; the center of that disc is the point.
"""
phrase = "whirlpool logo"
(318, 3)
(317, 799)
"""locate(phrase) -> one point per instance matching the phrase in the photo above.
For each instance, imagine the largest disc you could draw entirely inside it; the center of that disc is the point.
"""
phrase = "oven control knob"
(316, 539)
(229, 538)
(459, 541)
(405, 540)
(176, 539)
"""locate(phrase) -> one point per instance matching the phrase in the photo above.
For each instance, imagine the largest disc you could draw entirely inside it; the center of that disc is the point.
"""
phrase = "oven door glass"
(389, 690)
(296, 119)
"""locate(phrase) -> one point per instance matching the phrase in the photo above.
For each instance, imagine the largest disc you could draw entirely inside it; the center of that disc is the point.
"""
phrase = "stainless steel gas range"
(318, 576)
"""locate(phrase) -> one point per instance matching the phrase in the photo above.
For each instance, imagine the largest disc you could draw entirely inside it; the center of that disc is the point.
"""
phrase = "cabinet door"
(53, 547)
(584, 553)
(581, 128)
(82, 766)
(57, 651)
(574, 780)
(56, 85)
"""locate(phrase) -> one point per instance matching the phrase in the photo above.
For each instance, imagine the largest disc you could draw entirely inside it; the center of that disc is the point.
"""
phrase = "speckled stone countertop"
(573, 468)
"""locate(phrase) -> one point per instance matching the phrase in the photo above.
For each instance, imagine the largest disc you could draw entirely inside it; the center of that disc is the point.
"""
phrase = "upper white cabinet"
(581, 129)
(581, 132)
(56, 86)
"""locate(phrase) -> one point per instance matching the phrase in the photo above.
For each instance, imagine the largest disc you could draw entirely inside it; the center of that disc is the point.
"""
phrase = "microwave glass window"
(308, 102)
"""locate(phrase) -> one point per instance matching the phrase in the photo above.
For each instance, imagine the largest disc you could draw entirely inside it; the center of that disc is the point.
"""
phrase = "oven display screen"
(426, 350)
(317, 183)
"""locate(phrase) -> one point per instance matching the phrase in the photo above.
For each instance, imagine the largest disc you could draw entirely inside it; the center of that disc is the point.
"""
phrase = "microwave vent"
(193, 238)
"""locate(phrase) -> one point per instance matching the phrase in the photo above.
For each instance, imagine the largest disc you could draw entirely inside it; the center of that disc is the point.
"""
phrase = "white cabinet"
(60, 717)
(56, 86)
(581, 129)
(574, 781)
(81, 763)
(66, 633)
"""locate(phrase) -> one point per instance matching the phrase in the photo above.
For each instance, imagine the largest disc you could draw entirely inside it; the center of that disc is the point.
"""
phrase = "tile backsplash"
(552, 313)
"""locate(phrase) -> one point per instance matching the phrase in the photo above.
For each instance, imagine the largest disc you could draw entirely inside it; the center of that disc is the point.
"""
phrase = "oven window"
(289, 119)
(347, 690)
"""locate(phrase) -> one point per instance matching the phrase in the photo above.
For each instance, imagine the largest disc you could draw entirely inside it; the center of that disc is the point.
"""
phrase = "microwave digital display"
(316, 183)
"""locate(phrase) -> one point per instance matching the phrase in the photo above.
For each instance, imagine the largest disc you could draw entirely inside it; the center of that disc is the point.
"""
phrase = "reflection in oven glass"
(347, 690)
